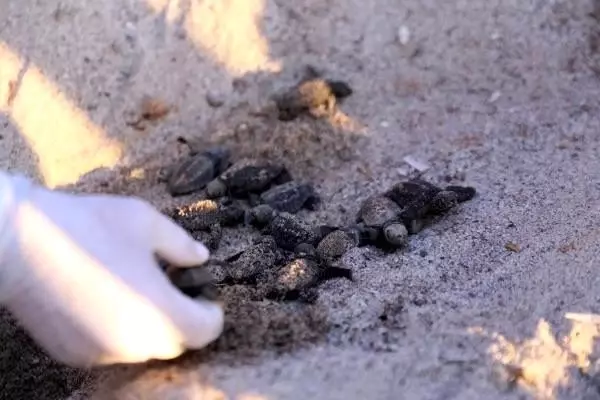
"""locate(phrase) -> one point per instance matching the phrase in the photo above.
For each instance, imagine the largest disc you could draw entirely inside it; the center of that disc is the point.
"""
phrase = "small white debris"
(384, 124)
(403, 171)
(494, 97)
(215, 99)
(583, 317)
(419, 165)
(403, 35)
(243, 127)
(495, 36)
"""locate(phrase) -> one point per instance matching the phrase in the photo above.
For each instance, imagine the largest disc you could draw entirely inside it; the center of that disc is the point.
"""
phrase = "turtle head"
(233, 213)
(305, 250)
(259, 216)
(340, 89)
(216, 188)
(396, 234)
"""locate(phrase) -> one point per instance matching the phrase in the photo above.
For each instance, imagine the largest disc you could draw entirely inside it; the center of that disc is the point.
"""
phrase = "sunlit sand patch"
(542, 364)
(63, 138)
(229, 30)
(160, 383)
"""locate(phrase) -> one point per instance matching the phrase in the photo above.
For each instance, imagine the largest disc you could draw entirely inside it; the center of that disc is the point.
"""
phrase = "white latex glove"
(78, 271)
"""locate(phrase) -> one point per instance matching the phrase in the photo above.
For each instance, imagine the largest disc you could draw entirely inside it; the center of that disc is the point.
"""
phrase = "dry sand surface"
(503, 96)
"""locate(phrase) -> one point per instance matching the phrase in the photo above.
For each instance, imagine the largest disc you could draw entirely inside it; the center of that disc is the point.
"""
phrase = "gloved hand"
(79, 273)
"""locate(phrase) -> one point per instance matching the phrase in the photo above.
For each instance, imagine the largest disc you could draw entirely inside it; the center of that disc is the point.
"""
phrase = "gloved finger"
(170, 241)
(175, 244)
(199, 321)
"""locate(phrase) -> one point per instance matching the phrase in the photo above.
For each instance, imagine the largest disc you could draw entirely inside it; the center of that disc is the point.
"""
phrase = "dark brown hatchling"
(287, 229)
(299, 278)
(202, 214)
(407, 192)
(414, 198)
(205, 218)
(197, 281)
(421, 200)
(291, 197)
(335, 244)
(383, 214)
(255, 262)
(313, 95)
(247, 177)
(211, 237)
(259, 216)
(195, 171)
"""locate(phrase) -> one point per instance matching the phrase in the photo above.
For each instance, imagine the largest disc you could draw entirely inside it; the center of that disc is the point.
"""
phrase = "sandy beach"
(501, 96)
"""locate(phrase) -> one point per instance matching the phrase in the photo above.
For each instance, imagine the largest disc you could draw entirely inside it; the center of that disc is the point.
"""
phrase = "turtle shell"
(196, 171)
(251, 176)
(289, 197)
(289, 231)
(376, 210)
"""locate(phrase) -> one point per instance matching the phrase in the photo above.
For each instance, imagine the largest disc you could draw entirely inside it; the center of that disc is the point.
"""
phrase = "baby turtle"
(420, 200)
(247, 177)
(211, 237)
(335, 244)
(416, 190)
(384, 215)
(202, 214)
(414, 198)
(205, 218)
(313, 95)
(259, 216)
(289, 231)
(196, 171)
(255, 262)
(291, 197)
(300, 278)
(195, 281)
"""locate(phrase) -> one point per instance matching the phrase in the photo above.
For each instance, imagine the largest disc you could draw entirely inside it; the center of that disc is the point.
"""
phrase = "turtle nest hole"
(308, 147)
(253, 326)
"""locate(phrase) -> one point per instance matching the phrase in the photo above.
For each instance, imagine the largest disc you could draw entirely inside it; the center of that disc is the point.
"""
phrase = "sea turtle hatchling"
(383, 214)
(202, 214)
(205, 218)
(252, 266)
(313, 95)
(195, 171)
(259, 216)
(299, 278)
(414, 198)
(196, 281)
(414, 190)
(287, 229)
(291, 197)
(421, 200)
(336, 243)
(247, 177)
(255, 262)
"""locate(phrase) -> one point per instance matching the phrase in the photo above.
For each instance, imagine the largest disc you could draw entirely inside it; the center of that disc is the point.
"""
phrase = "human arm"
(79, 273)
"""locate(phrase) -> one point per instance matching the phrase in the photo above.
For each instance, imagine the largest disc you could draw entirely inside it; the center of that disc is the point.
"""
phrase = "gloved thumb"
(199, 321)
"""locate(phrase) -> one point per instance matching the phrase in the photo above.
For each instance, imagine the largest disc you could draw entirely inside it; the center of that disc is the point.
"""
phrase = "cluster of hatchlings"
(291, 256)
